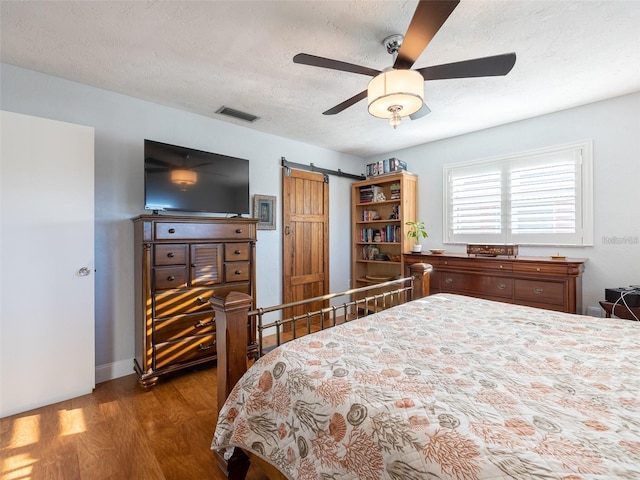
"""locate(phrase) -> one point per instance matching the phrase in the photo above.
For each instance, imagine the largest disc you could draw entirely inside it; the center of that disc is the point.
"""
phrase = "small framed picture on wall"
(264, 209)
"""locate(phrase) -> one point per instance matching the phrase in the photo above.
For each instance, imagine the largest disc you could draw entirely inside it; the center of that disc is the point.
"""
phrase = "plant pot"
(417, 248)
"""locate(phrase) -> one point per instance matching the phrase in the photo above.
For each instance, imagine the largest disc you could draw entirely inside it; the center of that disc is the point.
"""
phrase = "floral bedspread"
(446, 387)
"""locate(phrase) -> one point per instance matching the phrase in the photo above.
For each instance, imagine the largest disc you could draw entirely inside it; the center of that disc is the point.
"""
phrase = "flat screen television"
(187, 180)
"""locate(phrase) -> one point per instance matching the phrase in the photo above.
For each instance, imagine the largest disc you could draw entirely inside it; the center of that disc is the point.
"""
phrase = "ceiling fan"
(398, 91)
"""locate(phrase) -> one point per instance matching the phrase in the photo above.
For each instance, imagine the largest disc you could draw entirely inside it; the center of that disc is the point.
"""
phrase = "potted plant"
(416, 230)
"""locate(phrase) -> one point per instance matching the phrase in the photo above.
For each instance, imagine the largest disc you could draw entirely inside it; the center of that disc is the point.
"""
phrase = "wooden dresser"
(180, 263)
(534, 281)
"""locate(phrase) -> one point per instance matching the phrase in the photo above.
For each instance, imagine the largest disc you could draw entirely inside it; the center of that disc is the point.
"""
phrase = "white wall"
(121, 123)
(614, 127)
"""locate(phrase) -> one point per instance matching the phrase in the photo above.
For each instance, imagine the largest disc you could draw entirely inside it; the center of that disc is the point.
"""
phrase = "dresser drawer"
(236, 272)
(202, 231)
(181, 326)
(170, 277)
(236, 251)
(541, 268)
(170, 254)
(478, 284)
(167, 304)
(475, 264)
(194, 300)
(188, 349)
(537, 291)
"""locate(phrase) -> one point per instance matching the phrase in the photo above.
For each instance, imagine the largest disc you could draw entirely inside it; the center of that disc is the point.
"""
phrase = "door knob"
(84, 272)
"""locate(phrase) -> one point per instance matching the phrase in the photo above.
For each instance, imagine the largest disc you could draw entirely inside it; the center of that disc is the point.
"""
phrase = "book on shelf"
(369, 215)
(395, 191)
(369, 252)
(386, 166)
(369, 193)
(385, 234)
(397, 165)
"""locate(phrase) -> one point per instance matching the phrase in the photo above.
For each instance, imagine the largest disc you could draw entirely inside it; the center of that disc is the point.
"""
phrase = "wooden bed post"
(231, 344)
(231, 340)
(421, 273)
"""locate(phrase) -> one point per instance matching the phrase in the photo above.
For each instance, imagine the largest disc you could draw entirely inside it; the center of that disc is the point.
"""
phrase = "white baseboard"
(111, 371)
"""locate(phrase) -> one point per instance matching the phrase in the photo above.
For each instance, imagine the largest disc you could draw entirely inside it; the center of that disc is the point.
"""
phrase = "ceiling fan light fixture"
(184, 178)
(395, 118)
(394, 94)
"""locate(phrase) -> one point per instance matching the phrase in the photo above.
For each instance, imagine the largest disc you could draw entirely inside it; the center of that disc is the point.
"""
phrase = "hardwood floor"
(120, 431)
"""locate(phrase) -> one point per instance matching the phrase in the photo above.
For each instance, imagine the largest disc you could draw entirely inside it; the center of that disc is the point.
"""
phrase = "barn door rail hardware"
(312, 168)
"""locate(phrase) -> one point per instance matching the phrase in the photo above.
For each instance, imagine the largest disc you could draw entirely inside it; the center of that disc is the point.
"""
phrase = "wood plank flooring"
(120, 431)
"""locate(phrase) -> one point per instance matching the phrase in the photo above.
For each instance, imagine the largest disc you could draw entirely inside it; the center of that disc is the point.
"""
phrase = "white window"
(543, 197)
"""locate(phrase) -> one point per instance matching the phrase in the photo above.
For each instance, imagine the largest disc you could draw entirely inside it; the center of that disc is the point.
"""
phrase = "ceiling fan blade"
(314, 61)
(346, 104)
(204, 164)
(155, 161)
(429, 16)
(493, 66)
(424, 110)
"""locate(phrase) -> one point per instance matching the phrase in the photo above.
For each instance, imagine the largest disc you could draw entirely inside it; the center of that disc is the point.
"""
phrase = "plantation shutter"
(545, 198)
(476, 204)
(536, 198)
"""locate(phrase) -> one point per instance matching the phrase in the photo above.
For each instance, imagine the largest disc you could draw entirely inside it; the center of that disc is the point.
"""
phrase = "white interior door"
(47, 345)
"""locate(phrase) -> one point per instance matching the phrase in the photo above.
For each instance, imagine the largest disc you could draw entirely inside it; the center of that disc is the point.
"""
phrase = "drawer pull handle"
(172, 230)
(238, 230)
(202, 346)
(238, 272)
(501, 266)
(201, 324)
(502, 286)
(171, 254)
(201, 300)
(448, 280)
(538, 269)
(238, 252)
(171, 278)
(537, 290)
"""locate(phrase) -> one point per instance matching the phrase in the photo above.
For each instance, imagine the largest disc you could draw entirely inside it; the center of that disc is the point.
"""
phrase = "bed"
(445, 387)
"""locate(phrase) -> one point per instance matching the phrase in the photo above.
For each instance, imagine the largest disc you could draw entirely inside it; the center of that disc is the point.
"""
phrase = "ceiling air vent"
(230, 112)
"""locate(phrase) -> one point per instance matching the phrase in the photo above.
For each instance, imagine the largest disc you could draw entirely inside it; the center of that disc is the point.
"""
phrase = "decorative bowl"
(437, 251)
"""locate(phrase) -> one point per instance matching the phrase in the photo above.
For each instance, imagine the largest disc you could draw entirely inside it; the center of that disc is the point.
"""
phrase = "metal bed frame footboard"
(401, 291)
(232, 319)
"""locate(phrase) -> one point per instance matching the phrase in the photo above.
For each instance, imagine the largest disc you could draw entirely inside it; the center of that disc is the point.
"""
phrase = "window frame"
(583, 236)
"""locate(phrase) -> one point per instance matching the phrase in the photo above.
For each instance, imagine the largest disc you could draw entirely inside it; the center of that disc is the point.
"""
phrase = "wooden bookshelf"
(380, 208)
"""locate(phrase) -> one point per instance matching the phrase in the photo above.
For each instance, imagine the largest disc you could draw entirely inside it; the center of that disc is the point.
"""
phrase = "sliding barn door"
(305, 214)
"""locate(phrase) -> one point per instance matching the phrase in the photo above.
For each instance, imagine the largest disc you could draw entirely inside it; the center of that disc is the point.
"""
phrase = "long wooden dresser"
(180, 263)
(534, 281)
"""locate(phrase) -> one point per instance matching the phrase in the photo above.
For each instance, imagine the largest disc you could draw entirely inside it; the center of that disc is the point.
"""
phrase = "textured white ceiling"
(201, 55)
